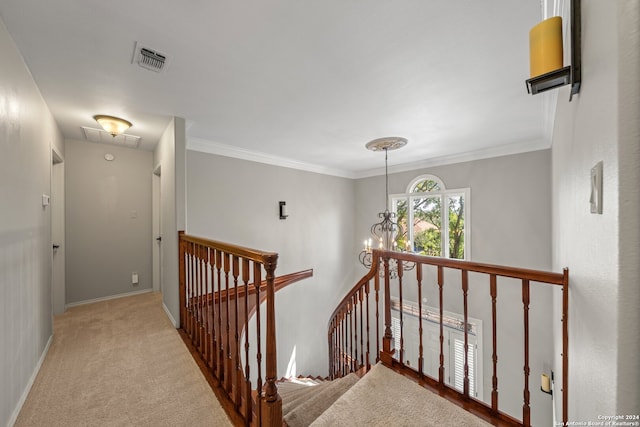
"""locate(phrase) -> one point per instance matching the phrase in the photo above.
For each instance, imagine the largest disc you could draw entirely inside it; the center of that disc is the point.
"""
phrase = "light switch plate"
(596, 189)
(45, 200)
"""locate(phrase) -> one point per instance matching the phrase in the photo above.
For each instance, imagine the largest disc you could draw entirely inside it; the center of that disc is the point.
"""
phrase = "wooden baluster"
(247, 373)
(400, 274)
(187, 266)
(526, 410)
(465, 290)
(200, 302)
(192, 286)
(351, 336)
(361, 331)
(565, 346)
(210, 317)
(376, 283)
(236, 340)
(194, 296)
(182, 280)
(220, 348)
(214, 294)
(227, 349)
(257, 280)
(344, 346)
(190, 289)
(191, 303)
(336, 346)
(330, 345)
(420, 348)
(441, 299)
(366, 292)
(338, 367)
(494, 296)
(355, 330)
(203, 298)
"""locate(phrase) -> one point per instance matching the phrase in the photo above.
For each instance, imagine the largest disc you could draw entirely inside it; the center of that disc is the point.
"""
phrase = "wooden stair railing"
(354, 329)
(221, 287)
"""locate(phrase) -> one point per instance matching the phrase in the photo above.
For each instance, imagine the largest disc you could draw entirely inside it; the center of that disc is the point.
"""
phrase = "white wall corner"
(171, 319)
(23, 398)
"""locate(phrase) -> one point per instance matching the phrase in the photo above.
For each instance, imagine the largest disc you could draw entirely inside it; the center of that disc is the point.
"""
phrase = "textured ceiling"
(308, 82)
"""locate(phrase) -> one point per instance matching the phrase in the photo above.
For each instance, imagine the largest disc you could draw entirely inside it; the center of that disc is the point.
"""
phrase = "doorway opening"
(58, 291)
(157, 229)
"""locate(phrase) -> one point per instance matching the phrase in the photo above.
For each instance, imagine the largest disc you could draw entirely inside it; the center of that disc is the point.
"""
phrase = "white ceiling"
(304, 82)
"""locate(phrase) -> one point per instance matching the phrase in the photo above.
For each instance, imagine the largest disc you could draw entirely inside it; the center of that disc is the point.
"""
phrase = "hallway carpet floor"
(119, 363)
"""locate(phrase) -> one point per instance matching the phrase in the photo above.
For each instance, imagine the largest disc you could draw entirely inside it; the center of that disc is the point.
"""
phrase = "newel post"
(272, 403)
(182, 281)
(386, 355)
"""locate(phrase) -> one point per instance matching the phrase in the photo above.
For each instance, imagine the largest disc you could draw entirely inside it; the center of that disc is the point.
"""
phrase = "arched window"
(433, 220)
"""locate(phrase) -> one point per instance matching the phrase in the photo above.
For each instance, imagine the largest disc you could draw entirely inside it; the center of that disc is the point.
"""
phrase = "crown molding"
(498, 151)
(204, 146)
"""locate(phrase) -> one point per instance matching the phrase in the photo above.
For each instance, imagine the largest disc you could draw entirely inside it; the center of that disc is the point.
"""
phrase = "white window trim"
(423, 178)
(443, 193)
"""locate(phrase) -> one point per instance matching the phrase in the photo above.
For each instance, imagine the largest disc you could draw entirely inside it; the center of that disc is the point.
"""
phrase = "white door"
(58, 294)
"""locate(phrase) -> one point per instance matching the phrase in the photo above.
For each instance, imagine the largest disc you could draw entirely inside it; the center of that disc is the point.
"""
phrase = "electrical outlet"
(134, 278)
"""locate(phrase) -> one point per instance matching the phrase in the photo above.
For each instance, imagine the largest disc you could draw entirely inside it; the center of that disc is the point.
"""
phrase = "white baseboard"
(91, 301)
(168, 313)
(27, 389)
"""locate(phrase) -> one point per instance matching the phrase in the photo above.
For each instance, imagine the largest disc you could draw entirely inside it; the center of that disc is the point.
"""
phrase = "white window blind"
(395, 330)
(458, 365)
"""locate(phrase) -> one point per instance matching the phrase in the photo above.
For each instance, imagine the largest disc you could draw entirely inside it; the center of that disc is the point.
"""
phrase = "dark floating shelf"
(550, 80)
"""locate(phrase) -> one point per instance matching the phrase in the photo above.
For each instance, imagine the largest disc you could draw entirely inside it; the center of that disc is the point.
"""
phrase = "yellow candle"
(545, 46)
(546, 383)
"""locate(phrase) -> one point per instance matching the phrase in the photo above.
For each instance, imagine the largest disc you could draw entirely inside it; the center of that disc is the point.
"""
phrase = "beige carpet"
(302, 407)
(385, 398)
(119, 363)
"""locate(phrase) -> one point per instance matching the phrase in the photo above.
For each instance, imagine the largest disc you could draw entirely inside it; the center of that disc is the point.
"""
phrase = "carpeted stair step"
(301, 407)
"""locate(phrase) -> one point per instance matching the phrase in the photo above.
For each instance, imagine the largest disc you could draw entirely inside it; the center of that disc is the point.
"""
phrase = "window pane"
(456, 227)
(427, 225)
(426, 186)
(402, 219)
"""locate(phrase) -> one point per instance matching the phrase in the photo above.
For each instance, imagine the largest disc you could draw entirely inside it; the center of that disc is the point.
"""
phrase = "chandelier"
(383, 233)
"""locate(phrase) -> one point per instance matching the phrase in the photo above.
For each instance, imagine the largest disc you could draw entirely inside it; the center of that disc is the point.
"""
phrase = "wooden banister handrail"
(240, 251)
(280, 282)
(344, 321)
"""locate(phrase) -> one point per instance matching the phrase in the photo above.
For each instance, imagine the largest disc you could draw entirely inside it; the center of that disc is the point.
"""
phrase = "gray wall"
(237, 201)
(170, 156)
(510, 220)
(601, 124)
(108, 220)
(27, 135)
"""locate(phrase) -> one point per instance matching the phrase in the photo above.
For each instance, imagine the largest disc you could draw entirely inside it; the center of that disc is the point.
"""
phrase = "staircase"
(305, 399)
(382, 397)
(223, 288)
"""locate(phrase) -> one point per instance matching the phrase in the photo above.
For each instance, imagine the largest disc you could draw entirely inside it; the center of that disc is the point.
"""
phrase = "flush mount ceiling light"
(114, 125)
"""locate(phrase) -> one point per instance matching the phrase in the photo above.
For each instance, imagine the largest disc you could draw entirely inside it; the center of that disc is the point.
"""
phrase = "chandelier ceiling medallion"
(383, 233)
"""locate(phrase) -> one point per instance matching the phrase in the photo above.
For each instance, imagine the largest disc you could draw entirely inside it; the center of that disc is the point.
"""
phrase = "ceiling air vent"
(149, 58)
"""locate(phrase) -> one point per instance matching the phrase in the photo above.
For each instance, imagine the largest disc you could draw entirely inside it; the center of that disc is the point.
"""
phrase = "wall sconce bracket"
(283, 210)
